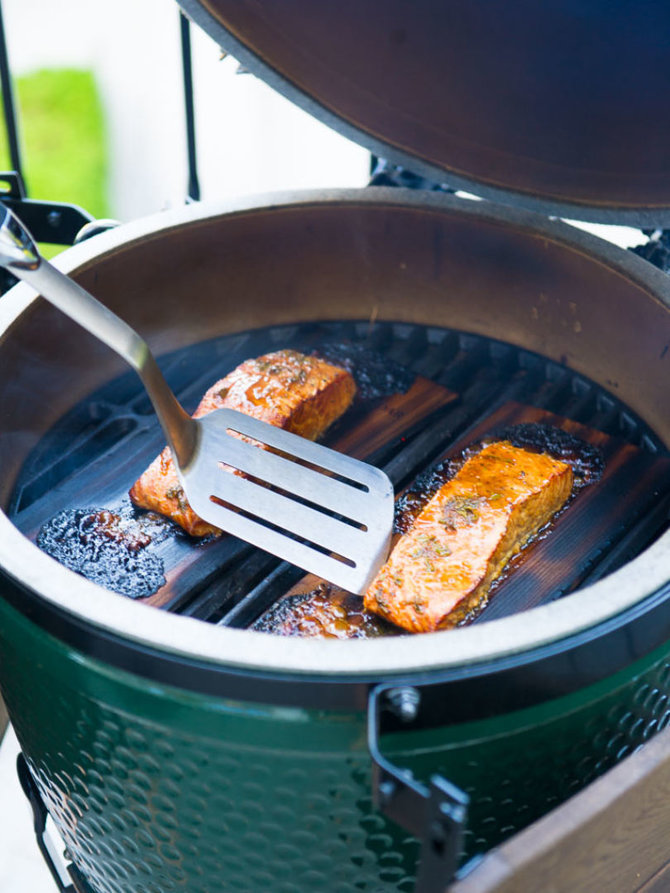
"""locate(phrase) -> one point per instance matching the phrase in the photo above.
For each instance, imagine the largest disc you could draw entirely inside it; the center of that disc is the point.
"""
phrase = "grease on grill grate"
(375, 375)
(108, 548)
(324, 613)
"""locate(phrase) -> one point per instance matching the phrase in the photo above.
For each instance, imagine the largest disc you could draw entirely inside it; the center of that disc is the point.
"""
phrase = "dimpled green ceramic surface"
(156, 789)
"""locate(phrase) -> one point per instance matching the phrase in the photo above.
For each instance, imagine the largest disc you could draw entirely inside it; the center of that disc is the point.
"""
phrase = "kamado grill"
(176, 748)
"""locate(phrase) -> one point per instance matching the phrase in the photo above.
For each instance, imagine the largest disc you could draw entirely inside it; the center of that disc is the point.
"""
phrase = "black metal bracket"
(657, 249)
(193, 187)
(30, 789)
(384, 173)
(56, 222)
(436, 813)
(8, 104)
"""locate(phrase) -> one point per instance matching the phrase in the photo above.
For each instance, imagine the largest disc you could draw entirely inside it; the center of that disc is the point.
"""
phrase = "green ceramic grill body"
(157, 788)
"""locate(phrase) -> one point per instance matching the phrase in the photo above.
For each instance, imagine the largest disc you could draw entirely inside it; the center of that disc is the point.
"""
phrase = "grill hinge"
(54, 222)
(435, 813)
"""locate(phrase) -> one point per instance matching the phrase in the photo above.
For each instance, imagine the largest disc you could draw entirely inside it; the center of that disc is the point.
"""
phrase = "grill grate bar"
(229, 589)
(553, 393)
(259, 599)
(437, 355)
(433, 441)
(580, 406)
(635, 540)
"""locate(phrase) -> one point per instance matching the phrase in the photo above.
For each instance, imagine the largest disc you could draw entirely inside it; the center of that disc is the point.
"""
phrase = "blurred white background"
(250, 140)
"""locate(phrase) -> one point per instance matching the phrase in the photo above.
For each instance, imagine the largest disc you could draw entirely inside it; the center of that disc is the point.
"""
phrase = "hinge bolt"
(404, 702)
(387, 791)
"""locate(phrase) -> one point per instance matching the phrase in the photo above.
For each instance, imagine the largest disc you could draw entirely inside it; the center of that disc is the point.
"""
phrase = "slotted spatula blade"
(321, 510)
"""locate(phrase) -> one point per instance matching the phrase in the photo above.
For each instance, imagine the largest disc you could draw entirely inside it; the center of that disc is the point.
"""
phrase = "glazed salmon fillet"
(302, 394)
(442, 569)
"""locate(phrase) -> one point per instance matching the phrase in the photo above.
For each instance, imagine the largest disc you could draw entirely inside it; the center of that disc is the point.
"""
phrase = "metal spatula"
(321, 510)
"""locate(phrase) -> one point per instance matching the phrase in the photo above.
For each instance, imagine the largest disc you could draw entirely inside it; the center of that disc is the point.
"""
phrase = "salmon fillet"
(442, 569)
(299, 393)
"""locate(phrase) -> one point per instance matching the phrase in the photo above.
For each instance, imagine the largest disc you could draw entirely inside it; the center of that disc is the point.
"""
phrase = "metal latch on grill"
(436, 813)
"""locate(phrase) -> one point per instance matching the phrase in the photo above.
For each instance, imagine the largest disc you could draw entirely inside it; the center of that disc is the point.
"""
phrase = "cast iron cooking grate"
(97, 450)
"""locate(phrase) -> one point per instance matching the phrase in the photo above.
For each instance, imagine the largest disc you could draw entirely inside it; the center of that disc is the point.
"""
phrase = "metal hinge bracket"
(54, 222)
(435, 813)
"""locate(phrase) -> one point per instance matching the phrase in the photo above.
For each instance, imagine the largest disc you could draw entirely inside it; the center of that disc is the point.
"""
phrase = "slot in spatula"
(321, 510)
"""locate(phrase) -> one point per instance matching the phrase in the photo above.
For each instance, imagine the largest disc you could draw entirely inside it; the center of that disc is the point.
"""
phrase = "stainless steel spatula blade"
(318, 509)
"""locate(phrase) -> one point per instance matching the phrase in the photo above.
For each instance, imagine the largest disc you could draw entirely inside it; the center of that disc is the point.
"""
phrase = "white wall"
(249, 139)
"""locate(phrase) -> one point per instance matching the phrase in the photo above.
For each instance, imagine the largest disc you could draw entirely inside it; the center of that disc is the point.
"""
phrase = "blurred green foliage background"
(62, 139)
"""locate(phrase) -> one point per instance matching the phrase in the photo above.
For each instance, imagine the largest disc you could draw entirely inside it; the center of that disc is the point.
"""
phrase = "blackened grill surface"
(108, 548)
(234, 583)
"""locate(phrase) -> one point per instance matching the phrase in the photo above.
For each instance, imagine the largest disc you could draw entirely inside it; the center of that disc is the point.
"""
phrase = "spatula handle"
(19, 254)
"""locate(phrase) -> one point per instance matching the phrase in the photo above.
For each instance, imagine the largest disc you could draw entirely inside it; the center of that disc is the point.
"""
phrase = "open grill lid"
(557, 106)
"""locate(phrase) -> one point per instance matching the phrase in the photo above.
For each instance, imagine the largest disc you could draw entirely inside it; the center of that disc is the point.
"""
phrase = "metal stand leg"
(30, 789)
